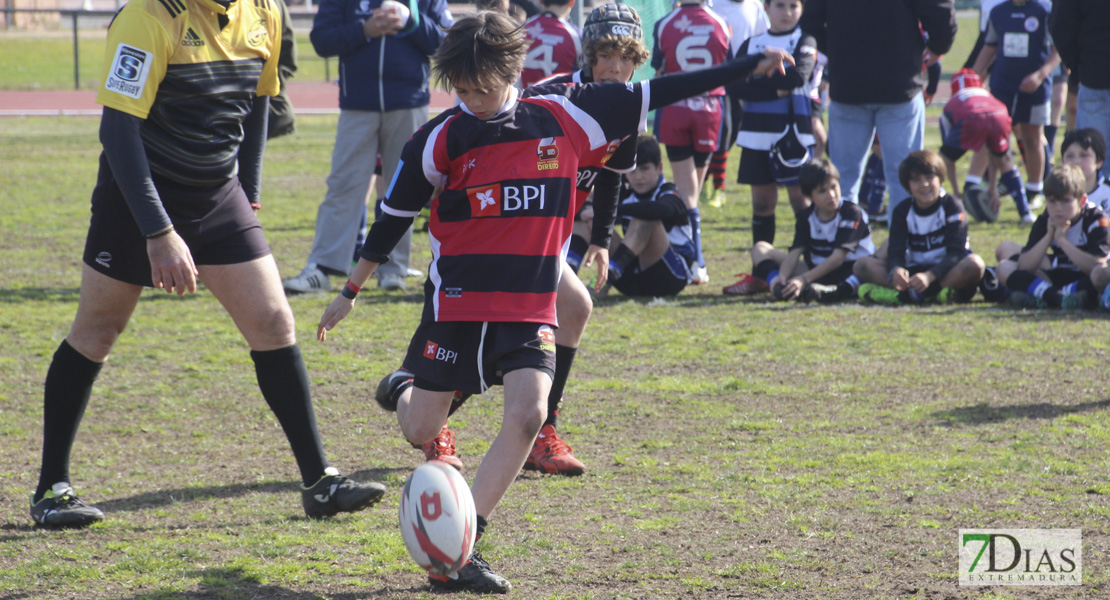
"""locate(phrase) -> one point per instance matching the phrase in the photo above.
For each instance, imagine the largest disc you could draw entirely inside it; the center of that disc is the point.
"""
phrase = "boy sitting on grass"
(1063, 265)
(927, 257)
(829, 237)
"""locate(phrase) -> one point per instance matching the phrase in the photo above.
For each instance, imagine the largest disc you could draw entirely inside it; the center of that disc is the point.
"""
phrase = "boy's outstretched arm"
(669, 89)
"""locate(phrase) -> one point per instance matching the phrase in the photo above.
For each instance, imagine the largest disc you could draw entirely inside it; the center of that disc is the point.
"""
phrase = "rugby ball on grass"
(437, 518)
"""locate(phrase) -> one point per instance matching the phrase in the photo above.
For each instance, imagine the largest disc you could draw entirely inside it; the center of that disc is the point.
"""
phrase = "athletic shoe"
(61, 508)
(334, 493)
(391, 282)
(945, 296)
(1028, 218)
(747, 285)
(475, 577)
(776, 291)
(1036, 202)
(1104, 299)
(1024, 300)
(411, 272)
(877, 294)
(877, 218)
(820, 293)
(390, 387)
(701, 276)
(442, 448)
(552, 455)
(1074, 301)
(311, 279)
(717, 198)
(991, 289)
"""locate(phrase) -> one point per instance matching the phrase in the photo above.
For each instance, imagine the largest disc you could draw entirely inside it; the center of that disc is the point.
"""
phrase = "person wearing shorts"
(174, 203)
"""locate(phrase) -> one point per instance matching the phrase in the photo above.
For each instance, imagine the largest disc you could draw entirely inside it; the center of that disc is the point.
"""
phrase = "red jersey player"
(555, 43)
(690, 38)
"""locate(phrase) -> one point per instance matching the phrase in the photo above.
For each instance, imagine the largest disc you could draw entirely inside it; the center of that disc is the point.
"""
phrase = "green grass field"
(736, 448)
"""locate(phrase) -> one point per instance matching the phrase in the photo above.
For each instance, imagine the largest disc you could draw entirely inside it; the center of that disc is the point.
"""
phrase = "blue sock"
(1012, 182)
(853, 281)
(1050, 135)
(695, 225)
(771, 276)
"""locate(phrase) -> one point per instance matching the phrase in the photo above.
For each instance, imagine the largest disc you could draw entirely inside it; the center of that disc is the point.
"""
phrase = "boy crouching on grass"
(927, 256)
(1063, 265)
(829, 237)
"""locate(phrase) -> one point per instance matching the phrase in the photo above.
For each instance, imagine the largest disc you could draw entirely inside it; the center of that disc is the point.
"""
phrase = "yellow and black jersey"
(191, 69)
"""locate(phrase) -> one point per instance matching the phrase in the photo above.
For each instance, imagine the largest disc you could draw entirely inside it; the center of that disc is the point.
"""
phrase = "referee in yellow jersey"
(185, 94)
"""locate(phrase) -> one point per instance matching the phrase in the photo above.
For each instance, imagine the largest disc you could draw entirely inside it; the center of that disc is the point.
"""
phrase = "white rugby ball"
(437, 517)
(397, 8)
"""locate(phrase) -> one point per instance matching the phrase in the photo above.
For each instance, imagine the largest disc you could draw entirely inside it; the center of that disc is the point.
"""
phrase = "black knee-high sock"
(763, 229)
(564, 358)
(620, 261)
(68, 387)
(284, 383)
(1028, 282)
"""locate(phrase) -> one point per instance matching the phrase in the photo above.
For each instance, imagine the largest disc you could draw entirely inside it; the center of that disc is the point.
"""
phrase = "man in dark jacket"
(875, 50)
(1081, 31)
(383, 98)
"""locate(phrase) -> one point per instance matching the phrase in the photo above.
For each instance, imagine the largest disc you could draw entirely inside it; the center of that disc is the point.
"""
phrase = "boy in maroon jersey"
(555, 43)
(507, 167)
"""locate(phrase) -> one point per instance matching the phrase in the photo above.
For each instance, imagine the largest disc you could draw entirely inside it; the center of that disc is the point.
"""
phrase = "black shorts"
(834, 277)
(217, 224)
(1063, 276)
(755, 167)
(444, 355)
(667, 277)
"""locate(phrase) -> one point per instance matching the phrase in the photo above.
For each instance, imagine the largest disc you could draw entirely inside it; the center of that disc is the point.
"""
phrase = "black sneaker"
(60, 508)
(475, 576)
(335, 493)
(823, 294)
(390, 387)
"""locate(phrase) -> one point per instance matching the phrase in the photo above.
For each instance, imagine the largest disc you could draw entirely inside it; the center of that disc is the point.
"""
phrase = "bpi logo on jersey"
(548, 153)
(433, 351)
(494, 200)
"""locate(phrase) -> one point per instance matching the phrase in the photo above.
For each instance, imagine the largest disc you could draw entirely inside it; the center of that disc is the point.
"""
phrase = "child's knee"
(526, 418)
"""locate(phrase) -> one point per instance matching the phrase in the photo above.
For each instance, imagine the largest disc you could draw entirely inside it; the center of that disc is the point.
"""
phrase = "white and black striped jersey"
(1100, 196)
(676, 221)
(1090, 232)
(934, 238)
(847, 230)
(766, 116)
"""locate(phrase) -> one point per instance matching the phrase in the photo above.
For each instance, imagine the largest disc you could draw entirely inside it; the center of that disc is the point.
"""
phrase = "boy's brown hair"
(815, 174)
(1065, 183)
(921, 162)
(485, 49)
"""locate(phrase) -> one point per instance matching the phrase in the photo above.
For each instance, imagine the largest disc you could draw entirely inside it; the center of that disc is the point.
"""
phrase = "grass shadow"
(982, 413)
(29, 294)
(158, 498)
(220, 583)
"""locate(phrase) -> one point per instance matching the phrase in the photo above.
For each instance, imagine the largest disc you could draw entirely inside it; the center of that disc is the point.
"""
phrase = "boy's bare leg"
(1032, 136)
(1007, 249)
(965, 274)
(422, 413)
(687, 180)
(872, 269)
(798, 202)
(573, 305)
(525, 409)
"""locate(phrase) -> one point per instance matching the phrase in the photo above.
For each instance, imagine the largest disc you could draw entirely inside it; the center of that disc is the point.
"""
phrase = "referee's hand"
(171, 264)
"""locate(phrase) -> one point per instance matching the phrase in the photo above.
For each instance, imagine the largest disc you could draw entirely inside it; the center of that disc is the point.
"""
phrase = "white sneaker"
(391, 282)
(311, 279)
(1028, 218)
(701, 276)
(411, 272)
(1036, 202)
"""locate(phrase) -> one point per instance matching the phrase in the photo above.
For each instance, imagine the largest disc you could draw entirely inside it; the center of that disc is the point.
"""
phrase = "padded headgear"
(964, 79)
(612, 19)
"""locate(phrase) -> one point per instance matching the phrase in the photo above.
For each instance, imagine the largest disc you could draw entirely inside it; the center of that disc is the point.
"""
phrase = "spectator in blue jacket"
(383, 98)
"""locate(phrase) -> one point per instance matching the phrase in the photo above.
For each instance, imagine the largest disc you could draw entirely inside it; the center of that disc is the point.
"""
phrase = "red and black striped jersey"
(498, 227)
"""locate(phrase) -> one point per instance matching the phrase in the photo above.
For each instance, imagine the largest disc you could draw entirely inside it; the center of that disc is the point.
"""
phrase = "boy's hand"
(774, 61)
(793, 287)
(1031, 82)
(339, 308)
(1059, 229)
(602, 256)
(921, 281)
(900, 279)
(382, 22)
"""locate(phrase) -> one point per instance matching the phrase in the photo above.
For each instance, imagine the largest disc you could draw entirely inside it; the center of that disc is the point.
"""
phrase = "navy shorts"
(1024, 108)
(667, 277)
(834, 277)
(755, 167)
(217, 224)
(445, 355)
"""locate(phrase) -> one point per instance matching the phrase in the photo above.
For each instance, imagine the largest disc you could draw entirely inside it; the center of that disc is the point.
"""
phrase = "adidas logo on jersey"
(191, 38)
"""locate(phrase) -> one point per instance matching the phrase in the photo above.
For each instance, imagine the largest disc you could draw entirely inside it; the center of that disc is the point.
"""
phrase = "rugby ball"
(399, 9)
(977, 204)
(437, 518)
